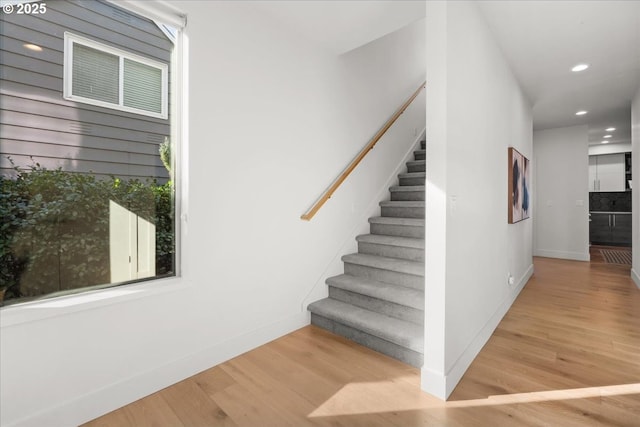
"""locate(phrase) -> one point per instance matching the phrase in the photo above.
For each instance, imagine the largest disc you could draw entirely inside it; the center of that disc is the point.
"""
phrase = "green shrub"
(55, 228)
(165, 154)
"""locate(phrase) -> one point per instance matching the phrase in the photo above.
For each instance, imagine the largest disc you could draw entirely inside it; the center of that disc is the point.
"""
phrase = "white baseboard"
(575, 256)
(121, 393)
(442, 385)
(635, 277)
(434, 383)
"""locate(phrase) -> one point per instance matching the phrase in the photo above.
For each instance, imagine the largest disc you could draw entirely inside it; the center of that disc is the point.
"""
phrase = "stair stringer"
(319, 289)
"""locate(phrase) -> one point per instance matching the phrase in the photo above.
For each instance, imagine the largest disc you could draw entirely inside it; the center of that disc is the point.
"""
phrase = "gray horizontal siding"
(98, 168)
(35, 120)
(29, 78)
(12, 147)
(45, 39)
(61, 16)
(27, 120)
(70, 112)
(9, 44)
(10, 90)
(29, 70)
(114, 19)
(22, 62)
(75, 140)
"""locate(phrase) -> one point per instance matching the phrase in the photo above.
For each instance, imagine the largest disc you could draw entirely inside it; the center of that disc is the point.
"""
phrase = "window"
(88, 195)
(102, 75)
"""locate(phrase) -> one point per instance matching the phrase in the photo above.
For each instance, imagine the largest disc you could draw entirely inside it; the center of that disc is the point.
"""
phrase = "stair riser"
(415, 168)
(393, 277)
(397, 230)
(412, 181)
(402, 212)
(384, 297)
(407, 196)
(387, 308)
(398, 352)
(412, 254)
(423, 144)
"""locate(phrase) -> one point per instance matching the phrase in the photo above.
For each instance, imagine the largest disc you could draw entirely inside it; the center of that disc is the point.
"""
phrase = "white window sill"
(47, 308)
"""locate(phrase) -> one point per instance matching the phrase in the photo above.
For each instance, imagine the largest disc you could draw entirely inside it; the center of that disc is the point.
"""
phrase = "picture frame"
(519, 185)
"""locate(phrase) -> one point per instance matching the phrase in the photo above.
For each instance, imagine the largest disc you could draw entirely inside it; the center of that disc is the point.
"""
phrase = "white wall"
(272, 121)
(475, 111)
(561, 175)
(624, 147)
(635, 195)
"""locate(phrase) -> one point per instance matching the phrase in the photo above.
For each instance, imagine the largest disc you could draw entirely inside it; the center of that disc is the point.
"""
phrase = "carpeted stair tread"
(403, 203)
(379, 239)
(400, 332)
(393, 293)
(397, 226)
(397, 265)
(408, 192)
(379, 300)
(389, 220)
(413, 175)
(412, 178)
(401, 188)
(416, 165)
(403, 208)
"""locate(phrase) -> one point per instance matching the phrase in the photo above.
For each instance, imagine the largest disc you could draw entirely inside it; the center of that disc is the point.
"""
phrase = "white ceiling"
(340, 26)
(542, 40)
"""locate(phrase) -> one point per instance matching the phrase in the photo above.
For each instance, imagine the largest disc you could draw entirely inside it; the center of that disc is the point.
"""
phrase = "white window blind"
(142, 86)
(95, 74)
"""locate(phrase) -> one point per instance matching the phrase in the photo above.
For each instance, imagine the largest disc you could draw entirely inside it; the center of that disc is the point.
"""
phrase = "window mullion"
(121, 83)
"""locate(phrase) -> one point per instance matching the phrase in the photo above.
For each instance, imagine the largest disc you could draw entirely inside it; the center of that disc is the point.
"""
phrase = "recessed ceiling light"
(33, 47)
(581, 113)
(580, 67)
(610, 129)
(607, 136)
(605, 142)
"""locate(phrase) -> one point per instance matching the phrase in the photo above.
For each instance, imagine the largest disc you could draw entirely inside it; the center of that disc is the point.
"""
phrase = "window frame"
(71, 38)
(96, 298)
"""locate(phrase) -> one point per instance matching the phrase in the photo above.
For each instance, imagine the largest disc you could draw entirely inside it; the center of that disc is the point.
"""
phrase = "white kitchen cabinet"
(607, 172)
(593, 173)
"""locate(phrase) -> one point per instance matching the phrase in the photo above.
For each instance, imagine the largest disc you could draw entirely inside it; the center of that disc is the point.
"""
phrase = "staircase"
(379, 300)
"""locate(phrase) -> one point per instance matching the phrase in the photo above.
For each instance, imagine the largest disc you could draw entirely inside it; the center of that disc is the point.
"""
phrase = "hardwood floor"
(566, 354)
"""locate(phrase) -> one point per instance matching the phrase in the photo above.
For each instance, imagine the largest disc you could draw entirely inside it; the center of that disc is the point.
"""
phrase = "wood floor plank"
(625, 404)
(193, 406)
(213, 380)
(344, 360)
(248, 410)
(152, 411)
(119, 417)
(566, 354)
(347, 355)
(275, 394)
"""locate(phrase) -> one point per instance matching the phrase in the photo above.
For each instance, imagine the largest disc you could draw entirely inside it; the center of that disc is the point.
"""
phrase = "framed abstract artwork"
(519, 187)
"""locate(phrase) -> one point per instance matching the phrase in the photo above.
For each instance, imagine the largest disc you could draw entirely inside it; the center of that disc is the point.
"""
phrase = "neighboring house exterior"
(90, 135)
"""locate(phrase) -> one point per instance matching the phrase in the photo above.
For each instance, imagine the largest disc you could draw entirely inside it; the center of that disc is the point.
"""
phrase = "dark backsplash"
(619, 201)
